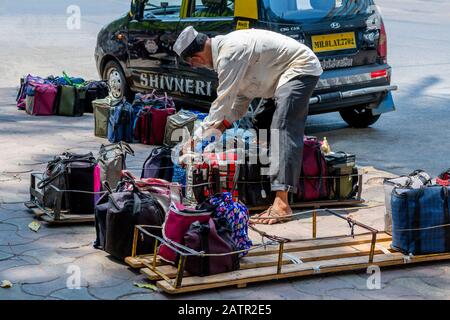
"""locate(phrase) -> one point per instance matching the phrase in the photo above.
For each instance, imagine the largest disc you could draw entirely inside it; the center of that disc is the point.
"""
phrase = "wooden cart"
(281, 259)
(56, 215)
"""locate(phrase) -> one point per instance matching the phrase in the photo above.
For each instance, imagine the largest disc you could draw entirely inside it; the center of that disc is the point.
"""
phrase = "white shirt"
(253, 64)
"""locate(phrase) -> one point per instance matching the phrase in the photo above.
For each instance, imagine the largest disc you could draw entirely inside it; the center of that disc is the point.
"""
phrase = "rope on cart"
(176, 247)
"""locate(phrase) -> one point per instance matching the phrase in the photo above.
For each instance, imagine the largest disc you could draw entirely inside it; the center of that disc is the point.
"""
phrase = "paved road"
(38, 41)
(415, 136)
(35, 40)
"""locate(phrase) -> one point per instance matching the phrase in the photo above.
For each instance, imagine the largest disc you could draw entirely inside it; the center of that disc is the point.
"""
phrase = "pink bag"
(97, 184)
(42, 102)
(176, 225)
(313, 181)
(24, 86)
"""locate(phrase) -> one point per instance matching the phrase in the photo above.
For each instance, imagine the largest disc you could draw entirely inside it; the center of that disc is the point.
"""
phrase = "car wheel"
(359, 117)
(117, 82)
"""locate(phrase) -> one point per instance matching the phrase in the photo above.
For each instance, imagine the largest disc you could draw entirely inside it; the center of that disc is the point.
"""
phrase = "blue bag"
(120, 126)
(420, 220)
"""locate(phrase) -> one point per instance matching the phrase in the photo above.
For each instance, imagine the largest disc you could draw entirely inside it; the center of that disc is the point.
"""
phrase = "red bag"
(151, 125)
(141, 130)
(313, 181)
(444, 178)
(217, 174)
(40, 99)
(177, 223)
(158, 124)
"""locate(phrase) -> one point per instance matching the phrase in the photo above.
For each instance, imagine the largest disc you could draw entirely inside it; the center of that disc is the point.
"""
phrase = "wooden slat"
(272, 260)
(140, 261)
(168, 270)
(320, 244)
(311, 268)
(309, 245)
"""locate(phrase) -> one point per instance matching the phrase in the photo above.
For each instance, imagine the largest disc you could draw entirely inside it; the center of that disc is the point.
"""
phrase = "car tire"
(117, 82)
(359, 117)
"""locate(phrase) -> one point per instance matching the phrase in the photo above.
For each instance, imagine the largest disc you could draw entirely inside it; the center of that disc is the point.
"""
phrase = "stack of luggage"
(64, 96)
(150, 119)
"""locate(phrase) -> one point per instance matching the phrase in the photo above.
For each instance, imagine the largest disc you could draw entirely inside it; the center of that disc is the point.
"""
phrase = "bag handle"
(126, 148)
(175, 194)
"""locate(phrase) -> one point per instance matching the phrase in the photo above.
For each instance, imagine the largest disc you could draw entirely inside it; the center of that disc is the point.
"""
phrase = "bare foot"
(279, 215)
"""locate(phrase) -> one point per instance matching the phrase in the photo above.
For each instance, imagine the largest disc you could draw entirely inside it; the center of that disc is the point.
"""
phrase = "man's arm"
(232, 67)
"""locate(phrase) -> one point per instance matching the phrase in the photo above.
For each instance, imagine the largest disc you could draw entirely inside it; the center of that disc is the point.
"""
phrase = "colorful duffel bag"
(421, 220)
(237, 217)
(40, 99)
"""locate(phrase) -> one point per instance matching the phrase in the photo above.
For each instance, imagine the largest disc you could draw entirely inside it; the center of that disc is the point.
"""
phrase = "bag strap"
(204, 243)
(67, 78)
(446, 219)
(126, 148)
(137, 204)
(416, 221)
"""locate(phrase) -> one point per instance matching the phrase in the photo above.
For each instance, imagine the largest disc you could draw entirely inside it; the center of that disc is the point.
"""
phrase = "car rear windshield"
(304, 10)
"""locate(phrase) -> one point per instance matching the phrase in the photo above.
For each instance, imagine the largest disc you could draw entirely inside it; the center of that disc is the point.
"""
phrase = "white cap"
(185, 39)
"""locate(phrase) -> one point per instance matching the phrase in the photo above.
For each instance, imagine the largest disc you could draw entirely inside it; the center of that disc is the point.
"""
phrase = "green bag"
(102, 108)
(69, 101)
(342, 167)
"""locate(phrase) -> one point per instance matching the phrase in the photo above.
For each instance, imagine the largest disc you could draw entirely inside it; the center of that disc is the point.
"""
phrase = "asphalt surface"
(35, 40)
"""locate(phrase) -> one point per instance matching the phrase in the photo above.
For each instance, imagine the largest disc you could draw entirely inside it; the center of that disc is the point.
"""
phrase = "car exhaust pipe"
(337, 96)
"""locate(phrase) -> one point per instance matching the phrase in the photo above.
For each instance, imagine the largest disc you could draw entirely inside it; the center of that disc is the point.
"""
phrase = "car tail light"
(382, 44)
(379, 74)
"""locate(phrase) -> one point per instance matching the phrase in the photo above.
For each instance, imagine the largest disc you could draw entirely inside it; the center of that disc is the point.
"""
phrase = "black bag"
(254, 187)
(211, 238)
(101, 209)
(127, 209)
(80, 177)
(70, 171)
(94, 90)
(159, 164)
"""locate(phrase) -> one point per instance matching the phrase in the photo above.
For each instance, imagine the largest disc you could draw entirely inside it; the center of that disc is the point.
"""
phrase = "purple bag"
(158, 165)
(24, 86)
(212, 237)
(40, 99)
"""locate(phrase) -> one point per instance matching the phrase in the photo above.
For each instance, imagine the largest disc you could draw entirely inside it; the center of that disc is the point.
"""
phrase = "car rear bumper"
(342, 88)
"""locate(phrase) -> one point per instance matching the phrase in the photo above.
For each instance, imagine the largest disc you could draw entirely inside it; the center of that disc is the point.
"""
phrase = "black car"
(134, 53)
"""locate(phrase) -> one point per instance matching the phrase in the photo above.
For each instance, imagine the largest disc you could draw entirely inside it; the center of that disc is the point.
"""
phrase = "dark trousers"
(287, 131)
